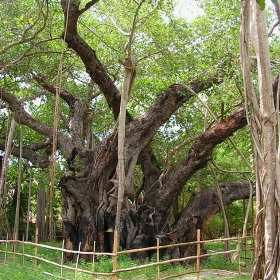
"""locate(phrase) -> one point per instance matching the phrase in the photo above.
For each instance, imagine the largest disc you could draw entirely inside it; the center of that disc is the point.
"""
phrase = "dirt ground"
(214, 273)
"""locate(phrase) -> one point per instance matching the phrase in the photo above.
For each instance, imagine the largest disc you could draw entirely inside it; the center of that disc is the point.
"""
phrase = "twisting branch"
(27, 53)
(118, 28)
(22, 117)
(76, 110)
(88, 6)
(30, 154)
(229, 171)
(198, 157)
(69, 98)
(169, 158)
(171, 153)
(93, 66)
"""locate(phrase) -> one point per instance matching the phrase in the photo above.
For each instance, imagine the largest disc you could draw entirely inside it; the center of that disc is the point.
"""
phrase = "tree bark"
(40, 217)
(19, 182)
(4, 166)
(262, 119)
(94, 192)
(198, 213)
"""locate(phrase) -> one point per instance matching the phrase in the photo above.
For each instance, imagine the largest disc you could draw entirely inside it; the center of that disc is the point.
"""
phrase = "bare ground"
(214, 273)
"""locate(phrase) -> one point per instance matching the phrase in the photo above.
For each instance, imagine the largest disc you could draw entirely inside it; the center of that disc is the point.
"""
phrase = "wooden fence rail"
(115, 271)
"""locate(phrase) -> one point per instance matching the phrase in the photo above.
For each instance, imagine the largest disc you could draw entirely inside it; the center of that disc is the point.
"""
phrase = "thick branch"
(197, 158)
(145, 126)
(93, 66)
(69, 98)
(76, 110)
(22, 117)
(141, 131)
(29, 153)
(88, 5)
(205, 204)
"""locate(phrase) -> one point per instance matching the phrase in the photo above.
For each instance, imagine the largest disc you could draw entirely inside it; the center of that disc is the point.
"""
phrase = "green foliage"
(17, 272)
(262, 4)
(102, 264)
(40, 179)
(219, 262)
(235, 216)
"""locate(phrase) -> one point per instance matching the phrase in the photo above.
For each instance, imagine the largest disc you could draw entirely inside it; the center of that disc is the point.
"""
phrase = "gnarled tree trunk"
(90, 196)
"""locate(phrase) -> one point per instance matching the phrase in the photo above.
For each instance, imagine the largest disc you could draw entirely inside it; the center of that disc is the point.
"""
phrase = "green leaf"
(262, 4)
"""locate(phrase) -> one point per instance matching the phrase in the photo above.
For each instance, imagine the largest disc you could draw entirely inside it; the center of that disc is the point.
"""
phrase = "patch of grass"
(16, 271)
(220, 262)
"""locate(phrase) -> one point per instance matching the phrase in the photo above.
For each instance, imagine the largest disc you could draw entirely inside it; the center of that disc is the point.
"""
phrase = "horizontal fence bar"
(59, 265)
(56, 248)
(172, 261)
(124, 251)
(180, 244)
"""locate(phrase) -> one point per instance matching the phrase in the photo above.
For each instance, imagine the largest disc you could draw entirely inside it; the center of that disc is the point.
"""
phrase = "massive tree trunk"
(89, 209)
(90, 196)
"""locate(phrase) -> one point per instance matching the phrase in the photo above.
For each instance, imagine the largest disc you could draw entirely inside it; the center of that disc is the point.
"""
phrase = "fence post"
(6, 249)
(158, 258)
(14, 245)
(93, 260)
(115, 250)
(23, 250)
(77, 260)
(198, 255)
(36, 248)
(62, 258)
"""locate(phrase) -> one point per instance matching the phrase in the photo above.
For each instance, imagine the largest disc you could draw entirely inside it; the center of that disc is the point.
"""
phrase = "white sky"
(188, 9)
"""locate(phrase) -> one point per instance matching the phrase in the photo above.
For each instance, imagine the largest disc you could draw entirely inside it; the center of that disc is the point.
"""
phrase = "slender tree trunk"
(223, 211)
(28, 209)
(246, 218)
(16, 225)
(40, 218)
(121, 149)
(125, 183)
(263, 131)
(4, 174)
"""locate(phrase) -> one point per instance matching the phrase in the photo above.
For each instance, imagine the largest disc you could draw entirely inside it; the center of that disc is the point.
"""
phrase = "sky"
(188, 9)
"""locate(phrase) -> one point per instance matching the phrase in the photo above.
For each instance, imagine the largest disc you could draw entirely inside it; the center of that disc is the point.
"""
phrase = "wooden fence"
(115, 271)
